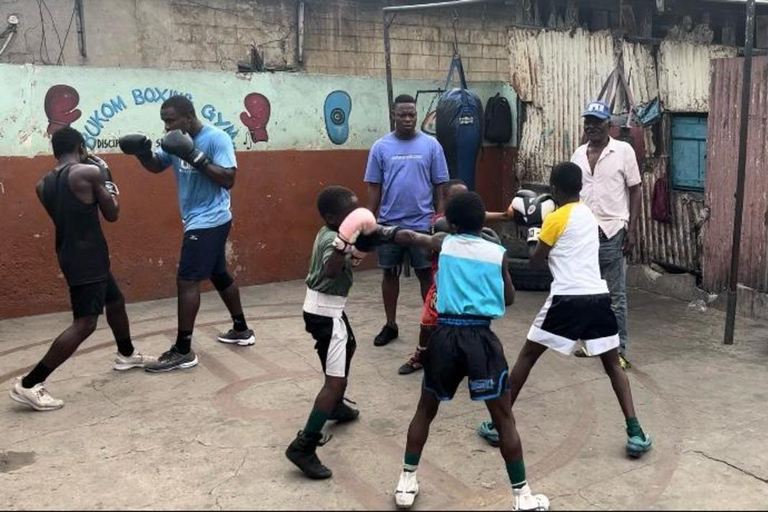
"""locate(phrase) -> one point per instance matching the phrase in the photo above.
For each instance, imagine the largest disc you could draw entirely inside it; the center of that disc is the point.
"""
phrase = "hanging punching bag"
(460, 132)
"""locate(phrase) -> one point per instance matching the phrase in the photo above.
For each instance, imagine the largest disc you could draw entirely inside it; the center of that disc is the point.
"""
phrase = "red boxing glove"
(256, 116)
(358, 221)
(60, 103)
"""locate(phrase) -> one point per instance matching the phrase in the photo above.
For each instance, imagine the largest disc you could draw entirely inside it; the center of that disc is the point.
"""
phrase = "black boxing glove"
(105, 172)
(136, 144)
(490, 235)
(181, 144)
(441, 225)
(382, 235)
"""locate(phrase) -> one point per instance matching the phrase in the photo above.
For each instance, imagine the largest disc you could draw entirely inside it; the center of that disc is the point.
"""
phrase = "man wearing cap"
(611, 189)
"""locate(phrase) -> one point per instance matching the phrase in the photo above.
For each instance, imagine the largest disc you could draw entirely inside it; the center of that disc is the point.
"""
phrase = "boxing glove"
(490, 235)
(181, 145)
(521, 205)
(540, 207)
(359, 221)
(381, 235)
(136, 144)
(105, 172)
(441, 225)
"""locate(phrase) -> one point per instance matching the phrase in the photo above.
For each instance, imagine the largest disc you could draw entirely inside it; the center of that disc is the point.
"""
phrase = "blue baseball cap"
(598, 109)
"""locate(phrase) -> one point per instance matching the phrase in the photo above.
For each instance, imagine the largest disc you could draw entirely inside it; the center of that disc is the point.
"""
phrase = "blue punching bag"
(460, 132)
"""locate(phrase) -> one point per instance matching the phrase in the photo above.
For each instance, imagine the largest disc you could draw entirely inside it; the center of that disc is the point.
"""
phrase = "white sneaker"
(524, 499)
(407, 489)
(135, 360)
(36, 397)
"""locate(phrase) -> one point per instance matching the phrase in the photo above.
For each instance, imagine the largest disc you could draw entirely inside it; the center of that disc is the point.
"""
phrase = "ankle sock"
(125, 346)
(516, 473)
(38, 374)
(633, 427)
(411, 461)
(184, 342)
(238, 323)
(315, 422)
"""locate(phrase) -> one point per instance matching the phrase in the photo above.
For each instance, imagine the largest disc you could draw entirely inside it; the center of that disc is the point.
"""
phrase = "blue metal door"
(689, 152)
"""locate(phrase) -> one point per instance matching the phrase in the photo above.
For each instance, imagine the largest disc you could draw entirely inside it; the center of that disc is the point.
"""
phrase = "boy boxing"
(579, 305)
(328, 283)
(474, 286)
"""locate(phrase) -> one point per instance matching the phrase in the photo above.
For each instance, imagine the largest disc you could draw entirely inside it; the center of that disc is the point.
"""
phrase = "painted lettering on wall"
(155, 95)
(61, 101)
(210, 113)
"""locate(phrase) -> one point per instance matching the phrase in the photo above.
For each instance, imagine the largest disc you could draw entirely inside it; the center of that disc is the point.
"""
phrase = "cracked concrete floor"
(213, 437)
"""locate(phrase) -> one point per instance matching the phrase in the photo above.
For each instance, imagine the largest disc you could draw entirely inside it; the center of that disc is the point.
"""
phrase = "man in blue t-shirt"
(203, 160)
(405, 174)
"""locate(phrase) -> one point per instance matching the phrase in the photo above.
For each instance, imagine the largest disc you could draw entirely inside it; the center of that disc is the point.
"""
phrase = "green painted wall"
(105, 103)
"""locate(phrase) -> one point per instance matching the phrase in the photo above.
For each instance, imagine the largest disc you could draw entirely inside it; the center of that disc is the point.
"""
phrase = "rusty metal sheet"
(676, 243)
(722, 155)
(555, 73)
(683, 70)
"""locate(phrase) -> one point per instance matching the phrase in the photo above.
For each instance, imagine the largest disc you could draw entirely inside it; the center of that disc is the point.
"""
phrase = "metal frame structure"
(389, 14)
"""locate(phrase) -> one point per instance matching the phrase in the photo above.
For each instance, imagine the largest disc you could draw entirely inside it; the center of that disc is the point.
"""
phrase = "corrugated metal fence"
(722, 155)
(555, 73)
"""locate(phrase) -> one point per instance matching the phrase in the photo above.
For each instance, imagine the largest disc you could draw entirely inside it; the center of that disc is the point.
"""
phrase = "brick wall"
(341, 36)
(345, 37)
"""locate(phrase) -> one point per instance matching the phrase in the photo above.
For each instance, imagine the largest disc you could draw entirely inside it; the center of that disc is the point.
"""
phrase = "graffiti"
(338, 106)
(256, 116)
(155, 95)
(61, 100)
(95, 123)
(60, 107)
(210, 113)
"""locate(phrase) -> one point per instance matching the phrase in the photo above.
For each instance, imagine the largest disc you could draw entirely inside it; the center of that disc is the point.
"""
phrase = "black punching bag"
(460, 132)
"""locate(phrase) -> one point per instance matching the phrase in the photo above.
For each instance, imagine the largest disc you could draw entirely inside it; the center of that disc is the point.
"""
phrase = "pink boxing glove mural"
(256, 116)
(60, 107)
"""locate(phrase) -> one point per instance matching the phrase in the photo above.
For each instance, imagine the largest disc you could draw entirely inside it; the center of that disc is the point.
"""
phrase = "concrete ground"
(213, 437)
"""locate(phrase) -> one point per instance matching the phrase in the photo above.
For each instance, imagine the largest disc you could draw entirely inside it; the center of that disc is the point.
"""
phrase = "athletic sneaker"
(242, 338)
(487, 431)
(413, 364)
(387, 334)
(135, 360)
(407, 489)
(36, 397)
(342, 413)
(637, 446)
(524, 499)
(173, 360)
(624, 362)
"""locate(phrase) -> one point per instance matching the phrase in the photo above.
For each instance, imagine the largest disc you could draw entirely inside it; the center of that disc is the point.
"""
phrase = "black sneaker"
(343, 413)
(172, 360)
(242, 338)
(387, 334)
(302, 453)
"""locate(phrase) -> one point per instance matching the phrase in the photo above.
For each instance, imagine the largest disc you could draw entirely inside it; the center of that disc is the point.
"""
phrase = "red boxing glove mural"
(256, 116)
(60, 103)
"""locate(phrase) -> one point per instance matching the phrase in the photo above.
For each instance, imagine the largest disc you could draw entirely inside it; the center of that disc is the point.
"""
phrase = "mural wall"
(293, 134)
